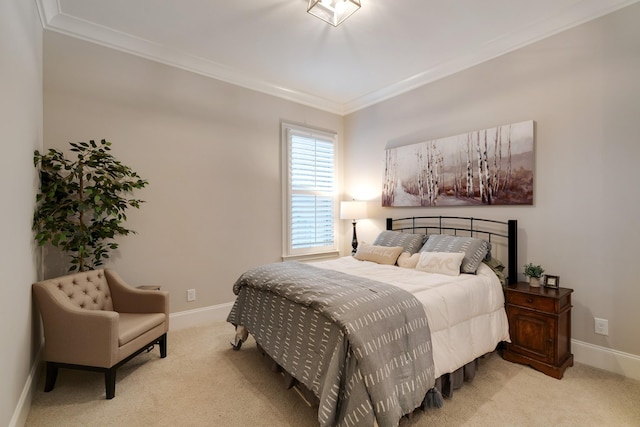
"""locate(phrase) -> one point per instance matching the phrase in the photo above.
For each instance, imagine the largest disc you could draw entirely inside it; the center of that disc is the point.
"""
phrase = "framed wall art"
(485, 167)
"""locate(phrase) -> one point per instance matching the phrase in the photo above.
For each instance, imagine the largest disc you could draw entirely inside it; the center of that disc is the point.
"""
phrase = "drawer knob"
(529, 300)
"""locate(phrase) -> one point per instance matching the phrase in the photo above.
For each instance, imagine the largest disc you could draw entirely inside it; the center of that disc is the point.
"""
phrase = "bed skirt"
(278, 333)
(446, 384)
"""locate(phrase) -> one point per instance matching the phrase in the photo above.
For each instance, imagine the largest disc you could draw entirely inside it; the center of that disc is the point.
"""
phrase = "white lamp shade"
(353, 210)
(333, 11)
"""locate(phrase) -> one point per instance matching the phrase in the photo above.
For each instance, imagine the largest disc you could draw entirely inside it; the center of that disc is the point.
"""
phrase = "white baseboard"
(21, 412)
(608, 359)
(605, 358)
(199, 316)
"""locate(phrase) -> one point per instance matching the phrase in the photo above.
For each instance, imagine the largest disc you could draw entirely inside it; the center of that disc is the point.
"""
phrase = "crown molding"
(54, 19)
(582, 11)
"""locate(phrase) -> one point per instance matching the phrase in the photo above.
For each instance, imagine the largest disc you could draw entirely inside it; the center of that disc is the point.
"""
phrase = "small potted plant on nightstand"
(534, 272)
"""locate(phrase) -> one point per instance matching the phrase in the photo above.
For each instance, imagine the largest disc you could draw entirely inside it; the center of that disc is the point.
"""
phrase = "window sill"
(312, 257)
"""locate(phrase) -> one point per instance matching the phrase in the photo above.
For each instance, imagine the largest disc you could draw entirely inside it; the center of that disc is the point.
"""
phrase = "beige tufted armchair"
(94, 321)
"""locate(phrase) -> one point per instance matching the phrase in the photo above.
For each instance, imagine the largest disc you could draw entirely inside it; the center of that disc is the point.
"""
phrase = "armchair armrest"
(76, 335)
(127, 299)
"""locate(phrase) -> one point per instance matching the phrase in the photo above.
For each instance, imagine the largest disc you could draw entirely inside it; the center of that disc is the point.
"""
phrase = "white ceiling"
(274, 46)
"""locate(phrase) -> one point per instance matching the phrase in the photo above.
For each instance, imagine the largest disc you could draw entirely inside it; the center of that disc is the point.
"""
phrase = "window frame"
(315, 252)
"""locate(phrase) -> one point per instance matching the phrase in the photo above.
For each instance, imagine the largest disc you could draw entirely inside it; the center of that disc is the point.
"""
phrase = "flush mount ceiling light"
(333, 11)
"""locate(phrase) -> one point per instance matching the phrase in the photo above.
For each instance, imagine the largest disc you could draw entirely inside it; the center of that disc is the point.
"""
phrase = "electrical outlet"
(602, 326)
(191, 294)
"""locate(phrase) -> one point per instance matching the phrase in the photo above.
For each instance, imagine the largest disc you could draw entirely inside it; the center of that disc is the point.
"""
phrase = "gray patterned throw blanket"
(363, 347)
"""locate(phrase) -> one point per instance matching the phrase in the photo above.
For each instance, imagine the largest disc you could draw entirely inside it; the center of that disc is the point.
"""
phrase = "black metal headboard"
(488, 229)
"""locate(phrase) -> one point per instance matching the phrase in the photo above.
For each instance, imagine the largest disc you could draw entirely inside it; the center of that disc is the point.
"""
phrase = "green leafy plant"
(531, 270)
(82, 202)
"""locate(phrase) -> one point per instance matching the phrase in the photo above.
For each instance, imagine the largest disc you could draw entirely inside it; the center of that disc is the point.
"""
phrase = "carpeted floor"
(202, 382)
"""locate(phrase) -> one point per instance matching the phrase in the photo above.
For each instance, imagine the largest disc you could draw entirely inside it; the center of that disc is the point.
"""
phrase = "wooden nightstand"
(540, 327)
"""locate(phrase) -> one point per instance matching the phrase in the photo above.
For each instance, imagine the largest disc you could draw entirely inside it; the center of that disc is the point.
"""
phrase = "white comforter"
(466, 313)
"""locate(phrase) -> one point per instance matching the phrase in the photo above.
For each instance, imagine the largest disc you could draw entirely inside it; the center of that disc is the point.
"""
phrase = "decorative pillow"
(494, 264)
(440, 262)
(410, 242)
(380, 254)
(407, 260)
(474, 249)
(498, 268)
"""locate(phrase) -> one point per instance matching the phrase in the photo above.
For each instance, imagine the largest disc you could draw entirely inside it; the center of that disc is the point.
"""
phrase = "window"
(309, 179)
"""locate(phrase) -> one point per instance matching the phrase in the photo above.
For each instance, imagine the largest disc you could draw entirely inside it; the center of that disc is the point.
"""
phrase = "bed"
(373, 336)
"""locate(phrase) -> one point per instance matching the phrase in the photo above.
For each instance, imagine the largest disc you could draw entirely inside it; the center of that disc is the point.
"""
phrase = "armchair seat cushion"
(132, 325)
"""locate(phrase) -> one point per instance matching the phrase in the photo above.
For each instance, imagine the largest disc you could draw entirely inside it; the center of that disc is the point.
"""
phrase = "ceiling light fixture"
(333, 11)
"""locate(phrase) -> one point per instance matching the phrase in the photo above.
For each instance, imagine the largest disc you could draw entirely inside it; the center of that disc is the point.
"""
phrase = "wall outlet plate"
(601, 326)
(191, 294)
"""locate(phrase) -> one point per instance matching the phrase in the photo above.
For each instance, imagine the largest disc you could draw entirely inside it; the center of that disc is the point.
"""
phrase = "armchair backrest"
(88, 289)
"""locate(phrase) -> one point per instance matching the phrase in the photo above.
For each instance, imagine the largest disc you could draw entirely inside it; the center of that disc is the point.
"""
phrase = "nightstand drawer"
(535, 302)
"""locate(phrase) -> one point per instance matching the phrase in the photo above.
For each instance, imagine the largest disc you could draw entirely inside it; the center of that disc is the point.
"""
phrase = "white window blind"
(311, 204)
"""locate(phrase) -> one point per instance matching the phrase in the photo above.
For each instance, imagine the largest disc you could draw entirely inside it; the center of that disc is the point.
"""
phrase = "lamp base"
(354, 241)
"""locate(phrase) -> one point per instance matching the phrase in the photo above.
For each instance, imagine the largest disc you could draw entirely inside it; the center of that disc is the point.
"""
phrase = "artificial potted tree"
(534, 272)
(82, 202)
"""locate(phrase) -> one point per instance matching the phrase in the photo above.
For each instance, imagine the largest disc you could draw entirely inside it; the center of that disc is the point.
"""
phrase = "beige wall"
(582, 88)
(20, 135)
(210, 150)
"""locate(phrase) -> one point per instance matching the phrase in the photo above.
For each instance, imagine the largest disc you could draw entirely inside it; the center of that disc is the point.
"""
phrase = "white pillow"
(408, 260)
(440, 262)
(475, 249)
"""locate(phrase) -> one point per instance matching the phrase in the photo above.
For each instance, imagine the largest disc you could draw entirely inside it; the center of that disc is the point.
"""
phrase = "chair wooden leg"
(163, 346)
(52, 375)
(110, 382)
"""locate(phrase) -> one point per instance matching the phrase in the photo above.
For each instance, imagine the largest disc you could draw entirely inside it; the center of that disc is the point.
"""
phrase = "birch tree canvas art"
(485, 167)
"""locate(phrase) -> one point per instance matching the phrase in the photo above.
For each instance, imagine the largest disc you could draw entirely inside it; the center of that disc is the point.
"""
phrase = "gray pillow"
(474, 249)
(410, 242)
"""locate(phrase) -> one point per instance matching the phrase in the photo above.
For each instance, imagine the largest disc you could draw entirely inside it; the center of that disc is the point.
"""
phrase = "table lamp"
(353, 210)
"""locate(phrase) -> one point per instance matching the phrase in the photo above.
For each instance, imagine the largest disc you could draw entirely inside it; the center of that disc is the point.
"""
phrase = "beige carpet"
(202, 382)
